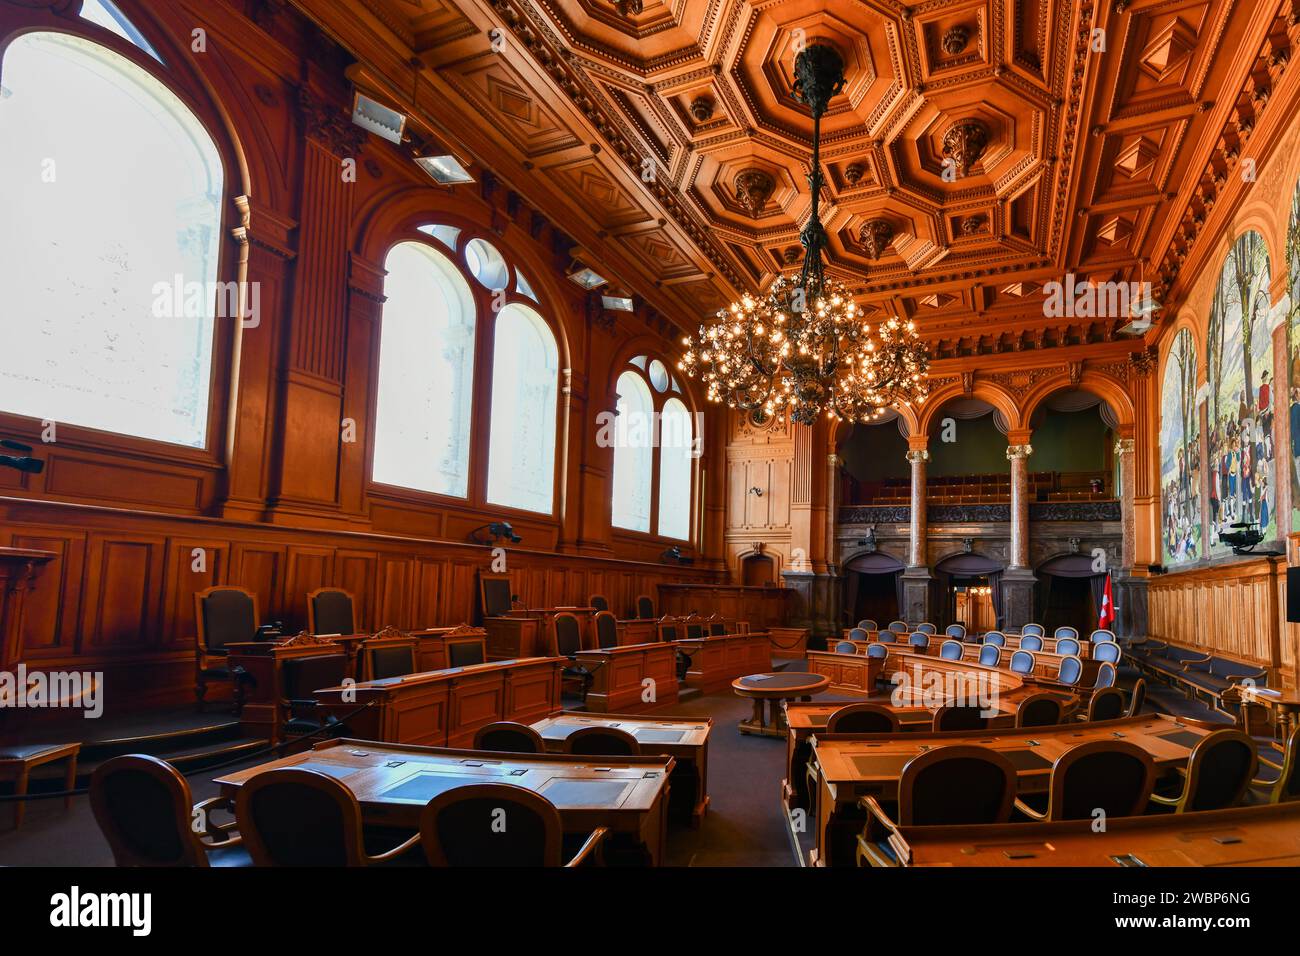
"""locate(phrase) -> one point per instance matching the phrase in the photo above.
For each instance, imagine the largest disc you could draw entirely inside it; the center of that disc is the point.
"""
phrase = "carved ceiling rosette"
(875, 236)
(964, 144)
(955, 39)
(702, 109)
(754, 188)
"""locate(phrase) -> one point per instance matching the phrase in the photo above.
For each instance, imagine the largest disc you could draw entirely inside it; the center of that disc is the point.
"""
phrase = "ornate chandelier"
(803, 345)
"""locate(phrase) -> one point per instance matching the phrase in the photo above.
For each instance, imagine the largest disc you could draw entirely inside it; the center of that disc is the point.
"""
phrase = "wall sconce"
(674, 556)
(585, 276)
(756, 492)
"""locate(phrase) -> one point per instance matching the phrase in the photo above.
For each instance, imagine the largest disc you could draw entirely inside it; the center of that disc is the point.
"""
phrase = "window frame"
(226, 336)
(658, 400)
(485, 324)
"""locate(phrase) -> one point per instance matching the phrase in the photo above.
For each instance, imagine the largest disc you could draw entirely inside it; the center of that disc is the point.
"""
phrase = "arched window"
(426, 373)
(525, 390)
(654, 444)
(633, 453)
(113, 271)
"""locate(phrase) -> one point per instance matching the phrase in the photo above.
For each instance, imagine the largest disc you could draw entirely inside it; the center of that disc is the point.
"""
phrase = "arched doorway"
(973, 583)
(758, 570)
(873, 587)
(1069, 592)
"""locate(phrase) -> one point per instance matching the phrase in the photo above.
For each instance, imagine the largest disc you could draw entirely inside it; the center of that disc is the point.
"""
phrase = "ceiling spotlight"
(377, 118)
(446, 170)
(617, 303)
(586, 276)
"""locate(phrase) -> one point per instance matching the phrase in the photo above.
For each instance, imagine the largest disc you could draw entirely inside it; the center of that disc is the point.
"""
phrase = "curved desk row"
(716, 661)
(632, 677)
(851, 766)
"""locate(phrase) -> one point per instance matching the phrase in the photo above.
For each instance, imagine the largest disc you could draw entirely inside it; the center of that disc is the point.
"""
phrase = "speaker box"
(1293, 595)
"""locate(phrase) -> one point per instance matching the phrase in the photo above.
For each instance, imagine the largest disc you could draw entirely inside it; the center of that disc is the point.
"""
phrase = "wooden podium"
(19, 568)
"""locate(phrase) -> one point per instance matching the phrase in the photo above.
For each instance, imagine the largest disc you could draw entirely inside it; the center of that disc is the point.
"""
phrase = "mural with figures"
(1293, 350)
(1239, 364)
(1180, 456)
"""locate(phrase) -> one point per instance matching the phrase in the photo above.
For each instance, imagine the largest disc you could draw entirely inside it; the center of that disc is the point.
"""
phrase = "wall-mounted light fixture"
(585, 276)
(756, 492)
(373, 116)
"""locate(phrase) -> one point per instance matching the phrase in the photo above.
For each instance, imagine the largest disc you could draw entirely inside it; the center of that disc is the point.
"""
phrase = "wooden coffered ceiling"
(667, 141)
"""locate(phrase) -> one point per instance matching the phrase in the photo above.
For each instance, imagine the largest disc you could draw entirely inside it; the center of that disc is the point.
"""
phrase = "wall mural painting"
(1180, 456)
(1293, 349)
(1239, 360)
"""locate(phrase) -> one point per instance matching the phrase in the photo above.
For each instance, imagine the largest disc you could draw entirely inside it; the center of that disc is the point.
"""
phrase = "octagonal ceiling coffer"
(875, 236)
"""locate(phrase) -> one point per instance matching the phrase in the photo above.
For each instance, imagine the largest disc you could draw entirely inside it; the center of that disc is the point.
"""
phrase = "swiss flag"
(1107, 617)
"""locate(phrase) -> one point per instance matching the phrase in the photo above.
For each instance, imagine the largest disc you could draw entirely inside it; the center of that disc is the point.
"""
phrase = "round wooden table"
(775, 688)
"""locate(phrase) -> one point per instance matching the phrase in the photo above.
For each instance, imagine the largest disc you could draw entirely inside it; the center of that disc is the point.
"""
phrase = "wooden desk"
(1012, 642)
(509, 638)
(851, 766)
(637, 631)
(262, 715)
(1241, 836)
(762, 607)
(430, 645)
(1282, 705)
(445, 708)
(393, 783)
(685, 739)
(618, 676)
(717, 661)
(545, 618)
(775, 689)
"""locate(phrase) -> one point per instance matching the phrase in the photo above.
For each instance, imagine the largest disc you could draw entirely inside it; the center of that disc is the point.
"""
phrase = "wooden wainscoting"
(1235, 609)
(118, 595)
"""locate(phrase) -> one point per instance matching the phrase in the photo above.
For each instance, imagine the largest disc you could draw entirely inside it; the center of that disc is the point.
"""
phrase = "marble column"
(916, 552)
(1018, 455)
(1018, 580)
(916, 578)
(1125, 449)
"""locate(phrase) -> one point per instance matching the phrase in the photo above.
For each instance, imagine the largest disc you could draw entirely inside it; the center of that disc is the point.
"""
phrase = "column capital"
(1125, 446)
(918, 442)
(918, 454)
(1015, 452)
(834, 460)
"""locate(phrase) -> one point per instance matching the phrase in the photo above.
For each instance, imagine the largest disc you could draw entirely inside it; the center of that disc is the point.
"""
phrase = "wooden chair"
(466, 651)
(898, 627)
(1106, 651)
(1032, 629)
(598, 602)
(383, 657)
(956, 631)
(645, 607)
(17, 761)
(1070, 670)
(602, 742)
(867, 624)
(606, 630)
(990, 655)
(919, 639)
(1068, 645)
(1137, 698)
(717, 625)
(845, 647)
(927, 628)
(1022, 662)
(1106, 676)
(951, 650)
(1102, 634)
(331, 611)
(997, 638)
(298, 817)
(694, 628)
(668, 629)
(958, 717)
(862, 719)
(1039, 710)
(1219, 769)
(1114, 776)
(222, 615)
(887, 636)
(506, 736)
(1066, 632)
(1106, 704)
(945, 786)
(568, 641)
(1031, 642)
(1285, 787)
(877, 649)
(498, 824)
(147, 814)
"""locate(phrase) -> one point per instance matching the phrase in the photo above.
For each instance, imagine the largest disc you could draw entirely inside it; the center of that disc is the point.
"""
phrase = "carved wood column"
(1018, 452)
(365, 308)
(918, 455)
(306, 479)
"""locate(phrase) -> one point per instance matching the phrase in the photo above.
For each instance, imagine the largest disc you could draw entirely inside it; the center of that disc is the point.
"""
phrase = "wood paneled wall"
(119, 596)
(1236, 609)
